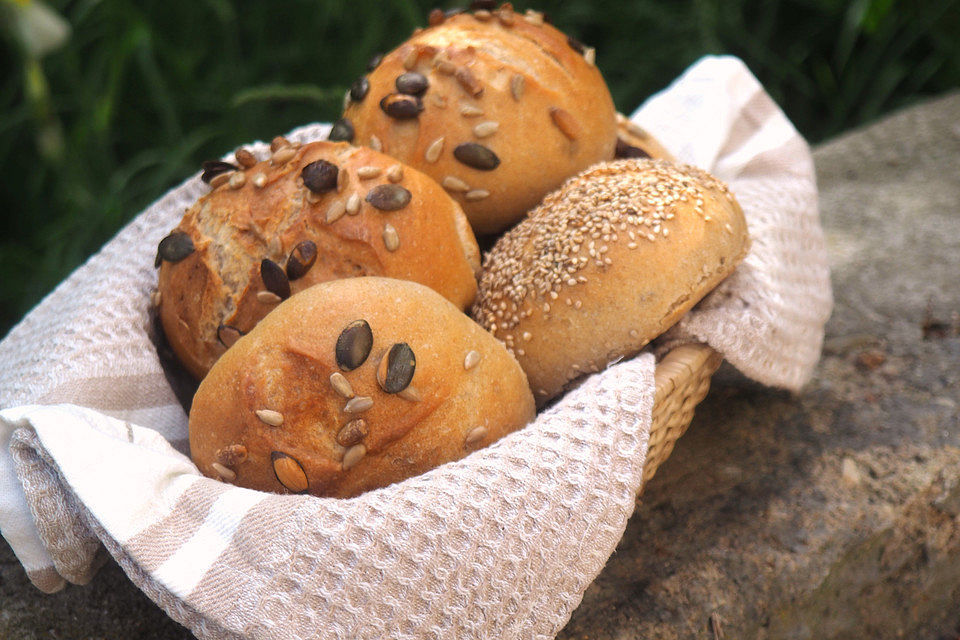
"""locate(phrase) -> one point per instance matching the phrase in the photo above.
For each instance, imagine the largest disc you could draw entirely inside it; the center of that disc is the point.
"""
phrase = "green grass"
(144, 90)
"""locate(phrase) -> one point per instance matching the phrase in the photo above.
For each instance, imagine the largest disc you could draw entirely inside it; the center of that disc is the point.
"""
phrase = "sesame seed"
(533, 17)
(259, 179)
(471, 359)
(375, 143)
(590, 55)
(237, 180)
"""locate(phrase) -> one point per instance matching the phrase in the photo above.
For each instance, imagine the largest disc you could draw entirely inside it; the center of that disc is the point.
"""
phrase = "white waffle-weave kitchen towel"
(500, 544)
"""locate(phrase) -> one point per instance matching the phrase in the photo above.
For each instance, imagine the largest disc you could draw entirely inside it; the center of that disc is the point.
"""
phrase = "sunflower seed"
(268, 297)
(388, 197)
(231, 455)
(471, 360)
(335, 211)
(410, 393)
(475, 436)
(353, 204)
(482, 15)
(359, 404)
(353, 455)
(289, 472)
(343, 179)
(397, 368)
(486, 129)
(517, 84)
(468, 81)
(476, 194)
(175, 247)
(259, 179)
(625, 150)
(238, 179)
(565, 122)
(245, 158)
(155, 299)
(282, 155)
(375, 62)
(228, 335)
(533, 17)
(391, 239)
(590, 55)
(410, 59)
(270, 417)
(341, 385)
(352, 432)
(412, 83)
(220, 179)
(353, 345)
(320, 176)
(476, 156)
(446, 67)
(278, 143)
(359, 89)
(301, 259)
(400, 106)
(375, 143)
(451, 183)
(214, 168)
(439, 101)
(342, 131)
(225, 473)
(367, 172)
(274, 278)
(470, 111)
(433, 152)
(505, 17)
(395, 173)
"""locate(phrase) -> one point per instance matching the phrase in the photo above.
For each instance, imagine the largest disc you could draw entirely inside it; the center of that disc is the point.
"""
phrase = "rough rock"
(834, 513)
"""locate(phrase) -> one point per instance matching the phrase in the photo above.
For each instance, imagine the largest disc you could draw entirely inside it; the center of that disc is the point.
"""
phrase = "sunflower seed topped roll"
(305, 215)
(499, 107)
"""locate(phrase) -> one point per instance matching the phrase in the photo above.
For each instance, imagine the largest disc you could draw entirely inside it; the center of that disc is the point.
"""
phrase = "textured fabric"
(500, 544)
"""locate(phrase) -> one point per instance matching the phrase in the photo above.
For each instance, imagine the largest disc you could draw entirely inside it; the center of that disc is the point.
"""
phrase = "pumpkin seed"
(213, 168)
(412, 83)
(320, 176)
(228, 335)
(396, 370)
(175, 247)
(388, 197)
(274, 278)
(289, 472)
(626, 150)
(476, 156)
(301, 259)
(359, 89)
(353, 345)
(342, 131)
(400, 106)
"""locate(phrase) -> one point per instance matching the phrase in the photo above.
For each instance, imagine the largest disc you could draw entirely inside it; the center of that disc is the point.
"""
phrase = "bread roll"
(606, 264)
(499, 107)
(351, 385)
(309, 214)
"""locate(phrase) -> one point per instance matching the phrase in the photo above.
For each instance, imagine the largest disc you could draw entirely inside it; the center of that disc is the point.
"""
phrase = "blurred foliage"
(142, 91)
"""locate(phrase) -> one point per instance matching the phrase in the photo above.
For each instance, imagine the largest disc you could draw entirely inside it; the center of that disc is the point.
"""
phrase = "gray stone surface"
(829, 514)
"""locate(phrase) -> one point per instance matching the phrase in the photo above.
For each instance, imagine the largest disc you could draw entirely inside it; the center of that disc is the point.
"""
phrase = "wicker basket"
(682, 379)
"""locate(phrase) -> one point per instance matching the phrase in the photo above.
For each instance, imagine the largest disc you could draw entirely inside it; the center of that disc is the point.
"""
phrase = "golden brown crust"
(284, 366)
(633, 141)
(272, 212)
(506, 81)
(606, 264)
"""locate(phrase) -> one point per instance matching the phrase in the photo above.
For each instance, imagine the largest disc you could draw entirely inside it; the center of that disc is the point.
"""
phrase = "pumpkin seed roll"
(605, 264)
(497, 106)
(307, 214)
(352, 385)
